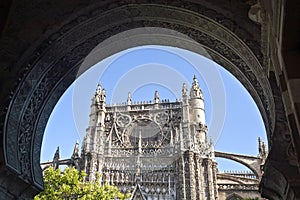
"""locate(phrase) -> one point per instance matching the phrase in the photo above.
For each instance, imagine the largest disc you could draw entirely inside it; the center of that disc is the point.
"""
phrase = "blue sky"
(233, 119)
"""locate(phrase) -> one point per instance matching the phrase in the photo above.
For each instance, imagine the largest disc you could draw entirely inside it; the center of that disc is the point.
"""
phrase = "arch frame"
(54, 64)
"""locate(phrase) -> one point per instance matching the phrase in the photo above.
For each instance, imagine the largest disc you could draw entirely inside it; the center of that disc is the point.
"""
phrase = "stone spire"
(262, 153)
(56, 159)
(76, 150)
(75, 156)
(195, 90)
(197, 113)
(56, 155)
(185, 103)
(93, 139)
(129, 100)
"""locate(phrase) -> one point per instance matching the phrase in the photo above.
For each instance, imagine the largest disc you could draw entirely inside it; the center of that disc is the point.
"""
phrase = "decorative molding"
(238, 187)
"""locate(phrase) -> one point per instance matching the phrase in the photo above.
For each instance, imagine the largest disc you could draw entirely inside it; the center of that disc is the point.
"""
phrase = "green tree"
(69, 184)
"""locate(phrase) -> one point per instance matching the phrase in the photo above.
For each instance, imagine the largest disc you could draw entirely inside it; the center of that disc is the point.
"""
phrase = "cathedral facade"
(159, 150)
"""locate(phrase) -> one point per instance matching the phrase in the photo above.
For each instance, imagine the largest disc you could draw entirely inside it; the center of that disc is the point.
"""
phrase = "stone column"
(214, 173)
(191, 175)
(198, 176)
(210, 179)
(93, 167)
(180, 187)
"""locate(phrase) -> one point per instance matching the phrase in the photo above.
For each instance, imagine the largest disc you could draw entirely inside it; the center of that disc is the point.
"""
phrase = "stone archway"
(234, 197)
(52, 64)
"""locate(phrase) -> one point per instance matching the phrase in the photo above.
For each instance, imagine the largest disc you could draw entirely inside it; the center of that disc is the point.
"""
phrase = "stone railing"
(164, 104)
(249, 187)
(243, 174)
(163, 151)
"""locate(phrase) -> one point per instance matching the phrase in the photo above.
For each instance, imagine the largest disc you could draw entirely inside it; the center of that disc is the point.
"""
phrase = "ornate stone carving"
(123, 120)
(53, 65)
(162, 118)
(195, 91)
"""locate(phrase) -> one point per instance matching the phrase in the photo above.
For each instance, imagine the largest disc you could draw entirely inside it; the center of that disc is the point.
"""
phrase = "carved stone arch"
(54, 63)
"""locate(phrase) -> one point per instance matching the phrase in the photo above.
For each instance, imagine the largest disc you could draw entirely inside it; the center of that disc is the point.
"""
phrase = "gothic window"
(147, 130)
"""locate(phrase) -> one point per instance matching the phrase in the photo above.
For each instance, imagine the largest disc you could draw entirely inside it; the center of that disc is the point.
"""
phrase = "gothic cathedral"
(159, 150)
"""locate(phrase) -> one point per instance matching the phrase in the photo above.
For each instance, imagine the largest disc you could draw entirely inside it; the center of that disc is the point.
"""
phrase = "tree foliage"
(69, 184)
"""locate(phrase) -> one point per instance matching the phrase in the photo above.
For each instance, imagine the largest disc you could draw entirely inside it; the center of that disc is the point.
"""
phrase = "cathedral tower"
(92, 149)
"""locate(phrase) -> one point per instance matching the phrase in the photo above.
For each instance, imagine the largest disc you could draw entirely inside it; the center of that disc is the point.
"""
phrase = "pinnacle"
(195, 80)
(156, 96)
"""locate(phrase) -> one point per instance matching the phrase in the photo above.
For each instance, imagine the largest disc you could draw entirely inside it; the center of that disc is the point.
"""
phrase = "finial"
(195, 78)
(56, 155)
(55, 161)
(76, 150)
(259, 147)
(129, 100)
(156, 97)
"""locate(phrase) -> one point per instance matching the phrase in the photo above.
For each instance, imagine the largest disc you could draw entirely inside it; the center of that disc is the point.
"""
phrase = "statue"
(98, 91)
(100, 94)
(184, 90)
(103, 95)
